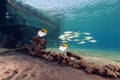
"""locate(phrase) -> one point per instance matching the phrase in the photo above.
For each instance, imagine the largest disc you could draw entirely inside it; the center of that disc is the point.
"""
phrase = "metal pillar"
(2, 12)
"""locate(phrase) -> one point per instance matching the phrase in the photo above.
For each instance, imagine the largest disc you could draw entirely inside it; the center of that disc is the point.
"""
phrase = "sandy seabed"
(22, 66)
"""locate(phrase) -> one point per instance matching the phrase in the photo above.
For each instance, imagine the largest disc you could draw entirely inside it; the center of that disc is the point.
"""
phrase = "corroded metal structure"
(18, 14)
(2, 12)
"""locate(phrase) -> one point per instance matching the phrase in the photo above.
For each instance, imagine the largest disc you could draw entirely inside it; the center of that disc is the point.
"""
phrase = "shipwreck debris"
(38, 49)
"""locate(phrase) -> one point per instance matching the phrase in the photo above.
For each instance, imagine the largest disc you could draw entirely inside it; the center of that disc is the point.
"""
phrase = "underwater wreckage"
(73, 60)
(38, 49)
(19, 17)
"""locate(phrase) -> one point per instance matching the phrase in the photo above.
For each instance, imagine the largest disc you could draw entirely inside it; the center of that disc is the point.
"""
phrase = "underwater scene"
(88, 26)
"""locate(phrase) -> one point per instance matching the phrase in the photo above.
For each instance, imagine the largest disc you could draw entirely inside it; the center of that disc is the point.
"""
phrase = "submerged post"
(2, 12)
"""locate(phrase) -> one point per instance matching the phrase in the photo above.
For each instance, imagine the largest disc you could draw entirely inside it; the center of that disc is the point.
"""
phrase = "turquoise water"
(101, 18)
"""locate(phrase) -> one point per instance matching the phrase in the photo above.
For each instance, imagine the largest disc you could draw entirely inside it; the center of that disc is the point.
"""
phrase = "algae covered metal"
(28, 21)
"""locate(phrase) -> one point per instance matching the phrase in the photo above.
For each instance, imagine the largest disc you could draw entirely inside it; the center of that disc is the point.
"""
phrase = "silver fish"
(81, 42)
(86, 33)
(93, 41)
(68, 32)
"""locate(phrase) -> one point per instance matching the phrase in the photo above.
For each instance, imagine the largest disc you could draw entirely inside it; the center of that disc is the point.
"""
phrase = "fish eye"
(63, 45)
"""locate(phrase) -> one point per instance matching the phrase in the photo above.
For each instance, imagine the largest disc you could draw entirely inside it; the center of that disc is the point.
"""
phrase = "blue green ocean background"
(101, 18)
